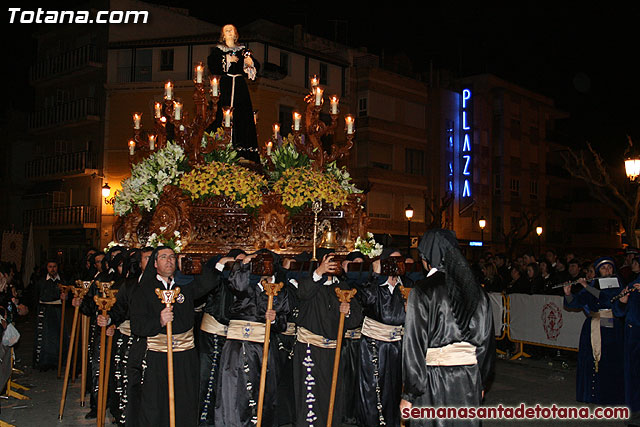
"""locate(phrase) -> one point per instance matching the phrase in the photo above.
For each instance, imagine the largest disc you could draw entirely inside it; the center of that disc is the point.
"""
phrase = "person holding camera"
(314, 352)
(380, 376)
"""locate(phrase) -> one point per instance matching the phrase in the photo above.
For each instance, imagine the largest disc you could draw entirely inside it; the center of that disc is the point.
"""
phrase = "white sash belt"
(456, 354)
(307, 337)
(380, 331)
(212, 326)
(245, 330)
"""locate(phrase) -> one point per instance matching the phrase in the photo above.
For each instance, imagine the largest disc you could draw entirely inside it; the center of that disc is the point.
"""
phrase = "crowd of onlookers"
(531, 274)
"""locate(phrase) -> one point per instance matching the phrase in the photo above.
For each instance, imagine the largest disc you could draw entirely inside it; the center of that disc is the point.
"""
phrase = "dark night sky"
(581, 56)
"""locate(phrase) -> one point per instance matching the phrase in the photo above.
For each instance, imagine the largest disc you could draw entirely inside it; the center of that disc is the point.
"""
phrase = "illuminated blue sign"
(472, 243)
(465, 151)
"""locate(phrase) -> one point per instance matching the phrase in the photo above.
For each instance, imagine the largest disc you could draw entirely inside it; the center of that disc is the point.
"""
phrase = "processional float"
(216, 224)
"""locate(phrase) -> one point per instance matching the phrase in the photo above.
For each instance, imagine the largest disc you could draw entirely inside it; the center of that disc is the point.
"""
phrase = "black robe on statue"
(233, 84)
(145, 322)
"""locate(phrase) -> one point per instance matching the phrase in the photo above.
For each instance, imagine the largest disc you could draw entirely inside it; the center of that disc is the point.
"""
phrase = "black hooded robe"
(313, 366)
(380, 373)
(145, 322)
(241, 361)
(47, 337)
(446, 307)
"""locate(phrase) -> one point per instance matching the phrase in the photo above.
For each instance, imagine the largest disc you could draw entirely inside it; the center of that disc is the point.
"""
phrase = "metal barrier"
(539, 320)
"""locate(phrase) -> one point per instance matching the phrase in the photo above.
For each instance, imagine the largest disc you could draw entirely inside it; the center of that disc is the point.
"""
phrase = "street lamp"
(539, 232)
(482, 223)
(408, 212)
(632, 167)
(106, 190)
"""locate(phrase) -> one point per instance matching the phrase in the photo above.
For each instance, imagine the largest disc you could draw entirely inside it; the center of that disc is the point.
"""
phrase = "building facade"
(478, 148)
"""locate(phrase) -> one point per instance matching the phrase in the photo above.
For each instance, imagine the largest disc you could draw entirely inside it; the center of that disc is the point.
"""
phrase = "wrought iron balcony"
(82, 163)
(65, 217)
(84, 57)
(73, 112)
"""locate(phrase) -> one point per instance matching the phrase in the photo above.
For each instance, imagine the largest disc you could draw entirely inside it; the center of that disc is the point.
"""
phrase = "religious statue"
(232, 62)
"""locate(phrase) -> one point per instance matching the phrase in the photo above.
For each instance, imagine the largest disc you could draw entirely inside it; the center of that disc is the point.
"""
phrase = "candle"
(297, 119)
(269, 145)
(137, 117)
(334, 104)
(132, 147)
(276, 131)
(177, 110)
(158, 110)
(168, 90)
(255, 117)
(199, 72)
(215, 86)
(319, 92)
(349, 122)
(314, 83)
(152, 142)
(227, 114)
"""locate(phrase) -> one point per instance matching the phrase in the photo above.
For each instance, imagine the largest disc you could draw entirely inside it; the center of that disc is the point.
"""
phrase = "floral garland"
(173, 242)
(300, 186)
(368, 246)
(285, 156)
(148, 178)
(222, 179)
(224, 155)
(343, 177)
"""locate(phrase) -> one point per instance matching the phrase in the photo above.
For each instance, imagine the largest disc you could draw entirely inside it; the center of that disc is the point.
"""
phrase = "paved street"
(540, 379)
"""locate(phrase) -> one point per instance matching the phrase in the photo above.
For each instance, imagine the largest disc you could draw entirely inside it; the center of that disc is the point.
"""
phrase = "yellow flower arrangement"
(223, 179)
(300, 186)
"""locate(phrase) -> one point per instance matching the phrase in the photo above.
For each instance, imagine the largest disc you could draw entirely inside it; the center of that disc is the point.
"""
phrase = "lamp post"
(482, 223)
(408, 213)
(539, 232)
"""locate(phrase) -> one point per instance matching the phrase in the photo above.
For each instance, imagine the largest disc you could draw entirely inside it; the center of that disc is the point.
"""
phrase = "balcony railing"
(64, 164)
(70, 216)
(68, 112)
(66, 62)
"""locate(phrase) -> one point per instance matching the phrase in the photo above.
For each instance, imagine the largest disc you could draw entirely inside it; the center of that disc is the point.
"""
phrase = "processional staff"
(343, 296)
(79, 291)
(271, 289)
(168, 297)
(64, 289)
(104, 303)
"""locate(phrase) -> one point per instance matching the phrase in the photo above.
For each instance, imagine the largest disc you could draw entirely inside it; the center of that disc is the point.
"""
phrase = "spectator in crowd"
(625, 272)
(560, 273)
(535, 283)
(528, 258)
(547, 280)
(491, 280)
(552, 259)
(503, 268)
(518, 283)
